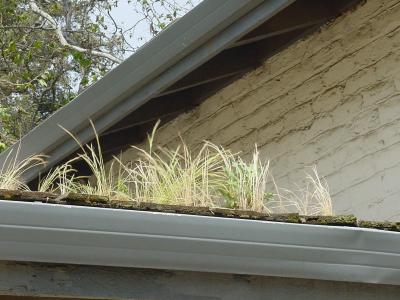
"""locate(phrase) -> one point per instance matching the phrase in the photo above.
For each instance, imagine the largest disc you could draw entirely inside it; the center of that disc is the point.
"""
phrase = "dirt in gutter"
(104, 202)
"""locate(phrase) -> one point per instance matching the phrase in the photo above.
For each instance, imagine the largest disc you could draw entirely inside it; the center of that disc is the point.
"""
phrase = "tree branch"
(58, 30)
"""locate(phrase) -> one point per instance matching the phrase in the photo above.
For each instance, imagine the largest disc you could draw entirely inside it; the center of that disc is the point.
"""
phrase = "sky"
(126, 16)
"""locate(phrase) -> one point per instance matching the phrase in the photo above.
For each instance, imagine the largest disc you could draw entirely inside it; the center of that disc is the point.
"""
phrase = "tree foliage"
(52, 50)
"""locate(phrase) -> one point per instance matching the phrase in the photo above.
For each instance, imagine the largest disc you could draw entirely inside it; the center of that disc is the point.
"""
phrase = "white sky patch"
(137, 30)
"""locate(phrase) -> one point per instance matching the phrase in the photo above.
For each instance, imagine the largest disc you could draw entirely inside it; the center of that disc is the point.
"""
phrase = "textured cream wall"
(332, 99)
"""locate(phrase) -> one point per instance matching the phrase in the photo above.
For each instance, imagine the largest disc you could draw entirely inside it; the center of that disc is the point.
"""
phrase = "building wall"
(96, 282)
(332, 99)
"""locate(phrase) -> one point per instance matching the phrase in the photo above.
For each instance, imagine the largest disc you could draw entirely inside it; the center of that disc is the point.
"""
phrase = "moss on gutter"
(340, 220)
(388, 226)
(104, 202)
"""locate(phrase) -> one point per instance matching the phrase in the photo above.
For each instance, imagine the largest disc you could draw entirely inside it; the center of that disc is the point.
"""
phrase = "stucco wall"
(332, 99)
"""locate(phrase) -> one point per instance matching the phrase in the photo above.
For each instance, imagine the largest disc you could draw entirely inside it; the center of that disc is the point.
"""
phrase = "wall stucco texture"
(331, 100)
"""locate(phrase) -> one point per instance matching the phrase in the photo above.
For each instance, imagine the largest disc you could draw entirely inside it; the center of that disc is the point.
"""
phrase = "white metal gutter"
(51, 233)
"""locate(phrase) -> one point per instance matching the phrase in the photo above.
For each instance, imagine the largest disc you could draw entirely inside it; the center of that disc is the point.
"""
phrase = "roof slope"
(175, 71)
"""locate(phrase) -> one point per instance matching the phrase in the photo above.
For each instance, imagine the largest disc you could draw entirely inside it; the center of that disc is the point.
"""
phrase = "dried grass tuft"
(174, 176)
(57, 179)
(103, 182)
(244, 185)
(13, 169)
(211, 176)
(312, 199)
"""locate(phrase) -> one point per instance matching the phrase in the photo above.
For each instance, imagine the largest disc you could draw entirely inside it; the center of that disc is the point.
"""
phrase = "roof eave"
(185, 45)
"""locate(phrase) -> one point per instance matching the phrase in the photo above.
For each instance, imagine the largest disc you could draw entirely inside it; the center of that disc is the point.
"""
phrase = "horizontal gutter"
(50, 233)
(191, 41)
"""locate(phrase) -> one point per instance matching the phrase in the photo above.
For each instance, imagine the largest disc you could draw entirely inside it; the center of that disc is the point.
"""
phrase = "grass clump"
(13, 169)
(175, 176)
(103, 182)
(57, 180)
(312, 199)
(244, 185)
(211, 176)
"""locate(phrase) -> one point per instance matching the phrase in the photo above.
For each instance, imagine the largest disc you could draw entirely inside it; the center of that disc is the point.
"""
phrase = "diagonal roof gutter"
(192, 40)
(53, 233)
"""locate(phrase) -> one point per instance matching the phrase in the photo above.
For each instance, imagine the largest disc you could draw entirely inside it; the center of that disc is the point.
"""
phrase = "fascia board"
(50, 233)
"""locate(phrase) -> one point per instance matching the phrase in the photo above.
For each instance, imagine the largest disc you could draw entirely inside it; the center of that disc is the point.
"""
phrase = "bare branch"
(58, 30)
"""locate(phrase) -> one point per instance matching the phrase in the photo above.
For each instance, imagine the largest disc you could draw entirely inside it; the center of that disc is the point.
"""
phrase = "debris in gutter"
(104, 202)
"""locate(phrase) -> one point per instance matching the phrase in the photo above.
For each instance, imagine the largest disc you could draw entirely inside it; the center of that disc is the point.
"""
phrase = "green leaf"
(37, 44)
(2, 146)
(12, 46)
(42, 82)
